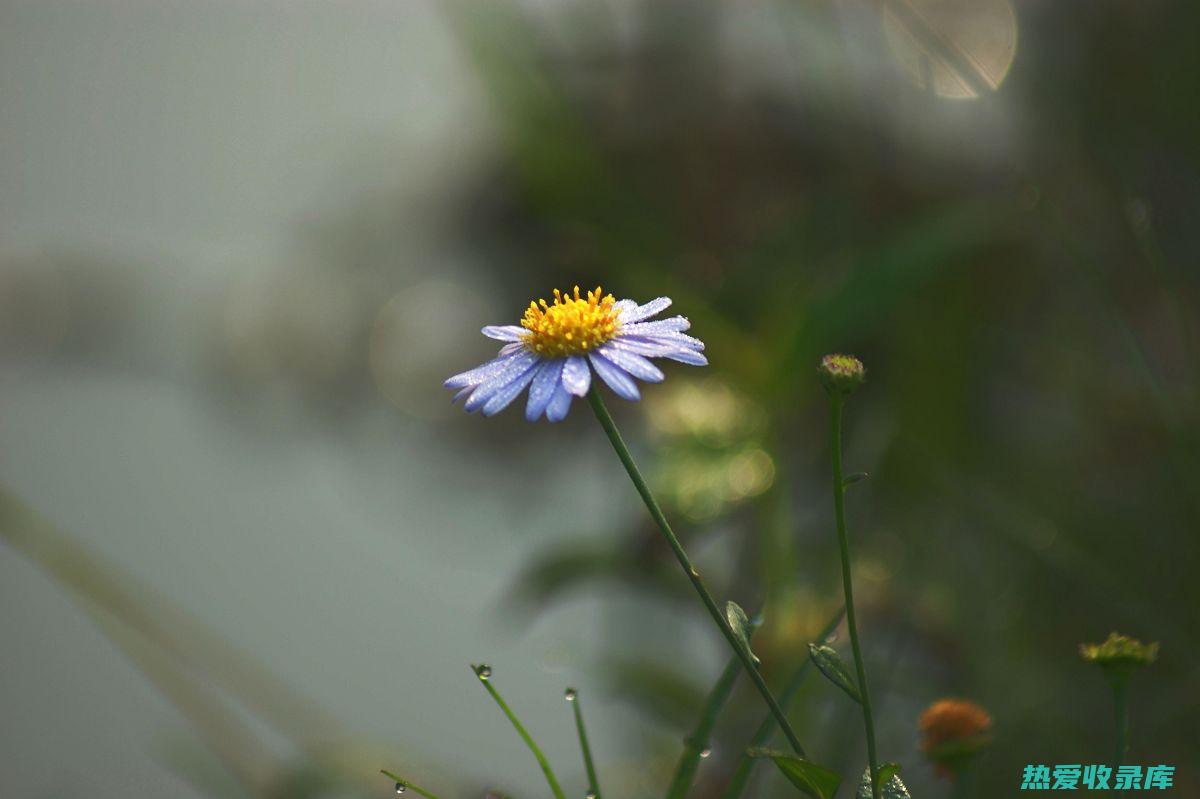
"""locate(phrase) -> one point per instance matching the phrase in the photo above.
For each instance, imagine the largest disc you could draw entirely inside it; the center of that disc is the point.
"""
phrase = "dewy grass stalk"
(841, 374)
(589, 765)
(403, 785)
(484, 673)
(614, 436)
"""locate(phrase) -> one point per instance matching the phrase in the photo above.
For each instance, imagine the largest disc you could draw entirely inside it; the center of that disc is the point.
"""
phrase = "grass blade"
(484, 674)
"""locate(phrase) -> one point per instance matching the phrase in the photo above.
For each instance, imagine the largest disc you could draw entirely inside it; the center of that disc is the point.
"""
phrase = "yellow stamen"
(571, 325)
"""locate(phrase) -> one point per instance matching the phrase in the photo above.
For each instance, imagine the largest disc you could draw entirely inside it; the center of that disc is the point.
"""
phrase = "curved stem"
(555, 788)
(407, 785)
(839, 490)
(614, 436)
(588, 763)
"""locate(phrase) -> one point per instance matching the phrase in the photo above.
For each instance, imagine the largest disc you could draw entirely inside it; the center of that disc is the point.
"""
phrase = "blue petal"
(616, 379)
(576, 376)
(666, 339)
(652, 308)
(541, 391)
(651, 349)
(560, 403)
(480, 374)
(504, 396)
(690, 357)
(632, 363)
(622, 307)
(515, 368)
(504, 332)
(672, 325)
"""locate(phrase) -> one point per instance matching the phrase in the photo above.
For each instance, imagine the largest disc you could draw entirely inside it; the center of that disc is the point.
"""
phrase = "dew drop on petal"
(570, 694)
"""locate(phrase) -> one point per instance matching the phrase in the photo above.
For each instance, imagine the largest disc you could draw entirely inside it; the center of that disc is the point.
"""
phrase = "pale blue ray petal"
(632, 363)
(650, 349)
(462, 393)
(615, 377)
(652, 308)
(685, 355)
(504, 332)
(560, 403)
(541, 390)
(479, 374)
(517, 366)
(504, 396)
(672, 325)
(622, 307)
(576, 376)
(668, 339)
(509, 349)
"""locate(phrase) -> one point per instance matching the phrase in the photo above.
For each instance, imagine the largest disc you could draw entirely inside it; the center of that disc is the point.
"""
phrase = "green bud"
(841, 374)
(1119, 655)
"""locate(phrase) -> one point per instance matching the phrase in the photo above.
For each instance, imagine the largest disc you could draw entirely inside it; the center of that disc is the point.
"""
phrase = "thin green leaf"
(742, 627)
(816, 781)
(894, 788)
(834, 669)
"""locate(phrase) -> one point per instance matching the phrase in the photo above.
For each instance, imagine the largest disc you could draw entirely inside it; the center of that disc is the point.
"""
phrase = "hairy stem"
(614, 436)
(839, 491)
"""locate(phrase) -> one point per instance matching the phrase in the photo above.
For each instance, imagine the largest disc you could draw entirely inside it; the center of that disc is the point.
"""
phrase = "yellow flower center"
(571, 325)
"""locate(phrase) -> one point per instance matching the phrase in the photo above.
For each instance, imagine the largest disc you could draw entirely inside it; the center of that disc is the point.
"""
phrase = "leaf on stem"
(834, 669)
(816, 781)
(742, 627)
(886, 772)
(893, 788)
(851, 479)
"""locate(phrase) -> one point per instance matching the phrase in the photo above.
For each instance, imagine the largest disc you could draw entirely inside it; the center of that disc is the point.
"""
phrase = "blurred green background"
(248, 548)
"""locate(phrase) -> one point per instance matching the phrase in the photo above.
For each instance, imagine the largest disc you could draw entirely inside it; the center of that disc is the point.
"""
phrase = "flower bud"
(953, 731)
(841, 374)
(1119, 655)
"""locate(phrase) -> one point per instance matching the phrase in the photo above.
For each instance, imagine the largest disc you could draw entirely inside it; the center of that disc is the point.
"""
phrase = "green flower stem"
(963, 780)
(408, 785)
(588, 763)
(555, 788)
(1121, 717)
(836, 402)
(614, 436)
(762, 736)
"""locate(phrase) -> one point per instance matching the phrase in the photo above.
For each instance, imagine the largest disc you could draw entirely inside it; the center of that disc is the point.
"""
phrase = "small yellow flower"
(952, 732)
